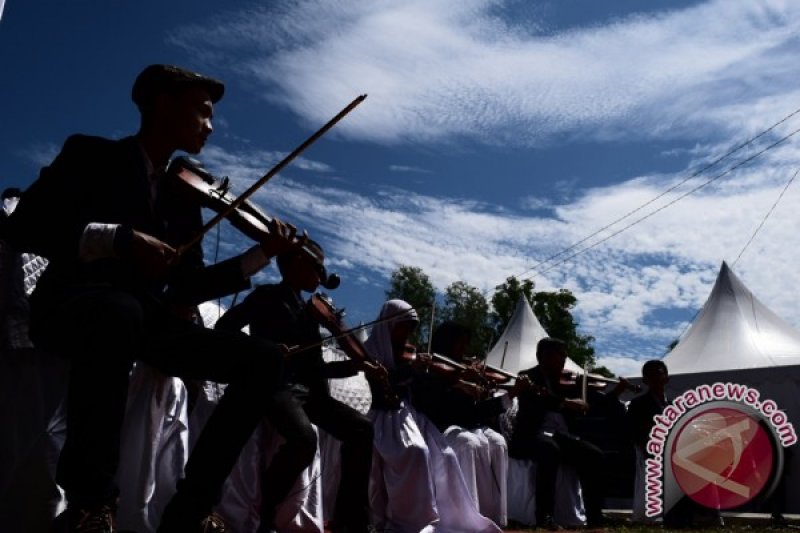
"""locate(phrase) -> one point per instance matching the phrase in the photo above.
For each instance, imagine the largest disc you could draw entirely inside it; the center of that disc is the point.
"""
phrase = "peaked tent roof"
(515, 350)
(734, 331)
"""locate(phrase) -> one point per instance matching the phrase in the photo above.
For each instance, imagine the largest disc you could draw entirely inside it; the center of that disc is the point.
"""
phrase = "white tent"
(515, 350)
(734, 331)
(737, 339)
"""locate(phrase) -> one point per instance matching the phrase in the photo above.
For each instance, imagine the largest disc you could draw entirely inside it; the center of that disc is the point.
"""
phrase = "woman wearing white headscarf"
(417, 482)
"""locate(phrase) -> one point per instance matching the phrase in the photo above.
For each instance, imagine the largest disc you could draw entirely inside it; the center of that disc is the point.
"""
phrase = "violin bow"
(266, 177)
(350, 331)
(430, 333)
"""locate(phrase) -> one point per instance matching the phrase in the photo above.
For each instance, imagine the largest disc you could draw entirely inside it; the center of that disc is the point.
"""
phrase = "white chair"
(355, 392)
(240, 507)
(155, 447)
(569, 510)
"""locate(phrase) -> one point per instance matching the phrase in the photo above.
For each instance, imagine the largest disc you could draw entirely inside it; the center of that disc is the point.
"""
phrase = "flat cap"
(156, 79)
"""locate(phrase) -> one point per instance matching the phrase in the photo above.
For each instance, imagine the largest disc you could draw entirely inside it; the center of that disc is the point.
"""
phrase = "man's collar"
(148, 164)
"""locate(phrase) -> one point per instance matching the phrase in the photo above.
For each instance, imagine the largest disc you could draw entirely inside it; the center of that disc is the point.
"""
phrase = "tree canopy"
(414, 286)
(488, 319)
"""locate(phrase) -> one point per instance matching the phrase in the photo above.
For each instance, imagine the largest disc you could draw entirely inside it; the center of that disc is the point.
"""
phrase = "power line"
(670, 189)
(679, 198)
(771, 209)
(690, 322)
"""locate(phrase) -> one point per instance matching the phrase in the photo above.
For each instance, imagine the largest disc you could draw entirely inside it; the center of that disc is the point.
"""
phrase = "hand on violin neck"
(475, 391)
(576, 405)
(373, 371)
(418, 360)
(282, 238)
(151, 257)
(521, 385)
(472, 373)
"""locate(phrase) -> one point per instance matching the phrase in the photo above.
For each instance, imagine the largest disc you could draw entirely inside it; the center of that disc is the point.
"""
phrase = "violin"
(330, 318)
(247, 218)
(594, 381)
(214, 194)
(470, 379)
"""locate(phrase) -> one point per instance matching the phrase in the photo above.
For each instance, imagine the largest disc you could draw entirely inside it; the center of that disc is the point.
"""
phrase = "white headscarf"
(379, 343)
(9, 204)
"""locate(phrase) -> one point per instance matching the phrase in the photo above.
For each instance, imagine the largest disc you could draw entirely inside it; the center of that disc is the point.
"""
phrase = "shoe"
(778, 521)
(549, 523)
(213, 523)
(602, 521)
(99, 519)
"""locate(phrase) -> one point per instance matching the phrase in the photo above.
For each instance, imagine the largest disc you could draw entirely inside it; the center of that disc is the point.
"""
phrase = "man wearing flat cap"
(109, 220)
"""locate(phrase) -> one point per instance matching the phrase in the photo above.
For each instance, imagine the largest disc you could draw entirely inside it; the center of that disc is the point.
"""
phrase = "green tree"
(465, 304)
(504, 301)
(552, 309)
(414, 286)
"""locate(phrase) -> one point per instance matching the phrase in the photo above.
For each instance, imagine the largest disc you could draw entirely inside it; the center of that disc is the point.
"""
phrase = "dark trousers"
(292, 414)
(102, 331)
(550, 452)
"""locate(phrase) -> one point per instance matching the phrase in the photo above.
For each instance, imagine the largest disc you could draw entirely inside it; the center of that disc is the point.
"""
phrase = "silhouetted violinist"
(279, 313)
(541, 433)
(114, 275)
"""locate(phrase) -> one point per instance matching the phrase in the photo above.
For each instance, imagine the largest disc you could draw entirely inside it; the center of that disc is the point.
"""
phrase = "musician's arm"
(238, 316)
(488, 409)
(341, 369)
(47, 221)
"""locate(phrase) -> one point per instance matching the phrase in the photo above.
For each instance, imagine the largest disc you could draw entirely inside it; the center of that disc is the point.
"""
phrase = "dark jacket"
(276, 313)
(105, 181)
(639, 417)
(534, 404)
(445, 405)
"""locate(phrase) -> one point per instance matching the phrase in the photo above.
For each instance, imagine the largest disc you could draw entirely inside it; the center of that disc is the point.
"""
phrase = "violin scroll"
(322, 309)
(194, 180)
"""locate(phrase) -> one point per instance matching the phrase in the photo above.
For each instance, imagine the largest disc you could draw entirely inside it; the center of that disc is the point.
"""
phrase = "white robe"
(417, 483)
(155, 446)
(483, 456)
(300, 511)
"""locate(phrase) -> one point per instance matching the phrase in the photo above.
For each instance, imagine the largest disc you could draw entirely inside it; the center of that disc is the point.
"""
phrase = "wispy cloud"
(444, 72)
(406, 168)
(435, 70)
(40, 154)
(668, 263)
(264, 160)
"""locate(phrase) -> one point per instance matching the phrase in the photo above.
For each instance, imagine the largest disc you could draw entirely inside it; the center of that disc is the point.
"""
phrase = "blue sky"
(495, 134)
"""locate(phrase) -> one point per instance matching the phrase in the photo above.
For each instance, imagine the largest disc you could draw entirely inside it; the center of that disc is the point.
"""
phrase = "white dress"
(483, 455)
(417, 483)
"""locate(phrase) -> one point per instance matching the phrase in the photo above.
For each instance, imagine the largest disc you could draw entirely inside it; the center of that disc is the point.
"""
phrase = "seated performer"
(279, 313)
(640, 419)
(538, 436)
(110, 293)
(641, 411)
(417, 479)
(461, 407)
